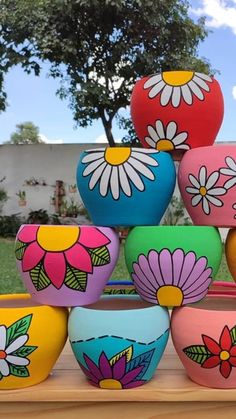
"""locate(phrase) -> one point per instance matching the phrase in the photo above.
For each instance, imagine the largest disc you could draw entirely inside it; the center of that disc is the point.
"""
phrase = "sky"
(33, 98)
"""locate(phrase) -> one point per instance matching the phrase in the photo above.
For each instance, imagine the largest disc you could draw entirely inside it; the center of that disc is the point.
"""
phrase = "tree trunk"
(108, 129)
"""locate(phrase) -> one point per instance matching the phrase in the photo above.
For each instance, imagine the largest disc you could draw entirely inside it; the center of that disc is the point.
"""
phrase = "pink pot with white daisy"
(177, 110)
(66, 265)
(207, 182)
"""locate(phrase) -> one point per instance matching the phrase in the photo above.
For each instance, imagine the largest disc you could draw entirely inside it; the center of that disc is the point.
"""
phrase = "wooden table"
(66, 394)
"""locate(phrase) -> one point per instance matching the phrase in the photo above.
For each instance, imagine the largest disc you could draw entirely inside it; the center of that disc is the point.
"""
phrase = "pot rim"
(144, 149)
(23, 297)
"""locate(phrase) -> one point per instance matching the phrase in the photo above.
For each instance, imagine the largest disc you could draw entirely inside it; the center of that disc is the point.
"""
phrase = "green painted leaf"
(233, 334)
(18, 370)
(197, 353)
(39, 277)
(100, 256)
(20, 327)
(20, 250)
(24, 351)
(142, 360)
(75, 279)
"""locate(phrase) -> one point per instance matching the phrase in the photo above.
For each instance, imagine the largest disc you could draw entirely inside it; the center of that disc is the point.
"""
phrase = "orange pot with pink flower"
(66, 265)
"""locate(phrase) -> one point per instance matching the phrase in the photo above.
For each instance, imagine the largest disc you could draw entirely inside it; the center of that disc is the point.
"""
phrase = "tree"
(100, 47)
(26, 133)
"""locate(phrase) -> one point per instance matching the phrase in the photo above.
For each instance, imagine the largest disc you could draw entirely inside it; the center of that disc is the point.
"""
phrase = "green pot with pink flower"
(66, 265)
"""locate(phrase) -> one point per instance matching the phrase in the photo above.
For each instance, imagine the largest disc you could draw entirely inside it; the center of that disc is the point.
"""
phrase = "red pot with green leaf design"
(66, 265)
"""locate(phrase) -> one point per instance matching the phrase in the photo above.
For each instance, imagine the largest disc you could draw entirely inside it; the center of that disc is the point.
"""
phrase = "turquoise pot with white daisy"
(125, 186)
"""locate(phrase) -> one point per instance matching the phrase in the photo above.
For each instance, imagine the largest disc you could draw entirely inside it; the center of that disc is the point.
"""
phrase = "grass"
(10, 280)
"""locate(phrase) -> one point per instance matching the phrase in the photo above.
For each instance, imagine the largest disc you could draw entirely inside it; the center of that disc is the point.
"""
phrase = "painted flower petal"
(55, 268)
(134, 384)
(78, 257)
(143, 289)
(124, 182)
(143, 158)
(225, 339)
(96, 175)
(197, 282)
(17, 343)
(141, 168)
(232, 360)
(225, 369)
(134, 177)
(93, 368)
(230, 183)
(166, 266)
(92, 237)
(105, 180)
(180, 138)
(192, 190)
(205, 206)
(187, 95)
(176, 97)
(211, 362)
(202, 176)
(89, 374)
(28, 234)
(4, 368)
(91, 167)
(212, 180)
(211, 344)
(153, 258)
(188, 266)
(114, 183)
(32, 256)
(91, 156)
(105, 366)
(171, 130)
(119, 368)
(214, 201)
(144, 265)
(142, 278)
(152, 80)
(131, 375)
(160, 129)
(3, 335)
(166, 94)
(227, 172)
(153, 133)
(196, 90)
(231, 163)
(217, 191)
(194, 297)
(194, 182)
(197, 271)
(155, 90)
(233, 351)
(17, 360)
(150, 142)
(203, 76)
(178, 258)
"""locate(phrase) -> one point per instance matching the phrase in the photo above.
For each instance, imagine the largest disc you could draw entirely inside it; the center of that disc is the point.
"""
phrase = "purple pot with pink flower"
(66, 265)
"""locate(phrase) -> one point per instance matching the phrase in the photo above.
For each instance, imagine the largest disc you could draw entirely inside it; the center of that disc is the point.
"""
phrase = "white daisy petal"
(187, 95)
(192, 190)
(227, 172)
(152, 132)
(17, 360)
(104, 182)
(160, 129)
(196, 199)
(182, 147)
(166, 94)
(204, 76)
(4, 368)
(114, 183)
(231, 163)
(141, 168)
(143, 158)
(171, 131)
(216, 191)
(156, 89)
(194, 181)
(150, 142)
(196, 90)
(176, 97)
(202, 176)
(124, 182)
(230, 183)
(201, 83)
(205, 206)
(180, 138)
(215, 201)
(152, 80)
(92, 157)
(17, 343)
(211, 181)
(92, 166)
(3, 334)
(96, 175)
(134, 177)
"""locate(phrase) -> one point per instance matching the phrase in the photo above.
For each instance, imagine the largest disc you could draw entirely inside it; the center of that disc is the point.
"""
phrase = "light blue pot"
(124, 186)
(119, 341)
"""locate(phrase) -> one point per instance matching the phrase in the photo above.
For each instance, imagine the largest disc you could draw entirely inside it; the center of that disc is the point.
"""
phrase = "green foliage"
(20, 327)
(100, 256)
(39, 277)
(38, 217)
(99, 48)
(75, 279)
(197, 353)
(26, 133)
(175, 213)
(9, 225)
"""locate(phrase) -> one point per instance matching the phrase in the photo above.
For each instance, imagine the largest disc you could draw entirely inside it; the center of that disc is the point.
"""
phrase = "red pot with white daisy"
(177, 110)
(207, 182)
(66, 265)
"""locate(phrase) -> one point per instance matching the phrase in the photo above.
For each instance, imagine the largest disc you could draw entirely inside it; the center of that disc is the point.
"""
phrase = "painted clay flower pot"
(119, 341)
(230, 252)
(207, 182)
(204, 336)
(125, 186)
(66, 265)
(177, 110)
(32, 337)
(173, 265)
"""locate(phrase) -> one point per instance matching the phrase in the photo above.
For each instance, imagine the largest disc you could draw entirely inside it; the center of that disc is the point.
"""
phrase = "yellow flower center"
(177, 78)
(117, 155)
(169, 295)
(110, 383)
(3, 355)
(203, 191)
(57, 238)
(224, 355)
(164, 145)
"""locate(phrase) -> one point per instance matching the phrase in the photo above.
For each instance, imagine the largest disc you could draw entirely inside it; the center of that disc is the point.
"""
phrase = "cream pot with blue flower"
(125, 186)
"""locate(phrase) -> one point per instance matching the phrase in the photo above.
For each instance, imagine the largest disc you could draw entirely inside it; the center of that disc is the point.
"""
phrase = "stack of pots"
(118, 340)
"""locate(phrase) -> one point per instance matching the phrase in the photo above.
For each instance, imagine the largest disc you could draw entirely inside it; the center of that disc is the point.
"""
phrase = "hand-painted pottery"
(173, 265)
(124, 186)
(204, 337)
(66, 265)
(230, 252)
(32, 337)
(119, 341)
(207, 182)
(177, 110)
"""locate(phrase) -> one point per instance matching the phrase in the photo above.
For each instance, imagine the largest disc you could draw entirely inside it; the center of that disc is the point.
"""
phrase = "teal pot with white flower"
(207, 182)
(32, 337)
(125, 186)
(119, 341)
(173, 265)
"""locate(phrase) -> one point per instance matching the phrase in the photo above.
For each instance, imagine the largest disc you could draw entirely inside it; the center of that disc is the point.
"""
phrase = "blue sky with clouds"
(33, 98)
